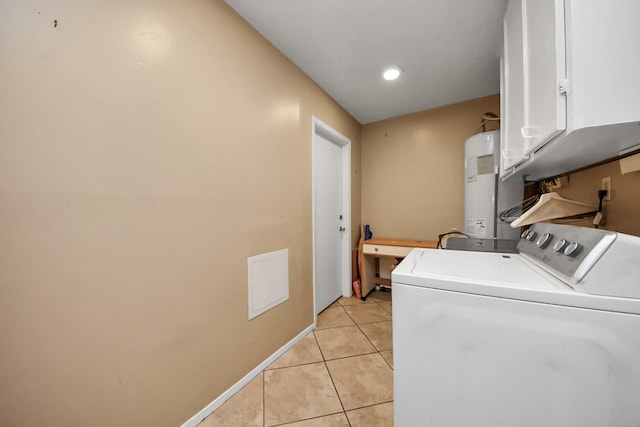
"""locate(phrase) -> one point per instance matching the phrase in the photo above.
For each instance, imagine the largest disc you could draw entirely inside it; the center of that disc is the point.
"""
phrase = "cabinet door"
(511, 141)
(544, 72)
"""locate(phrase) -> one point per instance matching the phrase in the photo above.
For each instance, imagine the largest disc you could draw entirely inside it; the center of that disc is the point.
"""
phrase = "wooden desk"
(374, 248)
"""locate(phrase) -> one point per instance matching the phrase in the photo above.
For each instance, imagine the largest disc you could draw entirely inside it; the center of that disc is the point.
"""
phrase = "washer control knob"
(544, 240)
(559, 246)
(531, 235)
(573, 249)
(524, 234)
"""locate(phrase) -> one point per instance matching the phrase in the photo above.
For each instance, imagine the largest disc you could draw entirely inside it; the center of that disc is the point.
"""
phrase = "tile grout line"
(377, 351)
(298, 364)
(355, 323)
(315, 337)
(368, 323)
(374, 346)
(361, 331)
(324, 360)
(344, 411)
(354, 355)
(380, 351)
(310, 418)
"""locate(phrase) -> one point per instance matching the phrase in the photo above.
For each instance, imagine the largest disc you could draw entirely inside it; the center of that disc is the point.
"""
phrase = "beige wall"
(147, 149)
(622, 212)
(413, 170)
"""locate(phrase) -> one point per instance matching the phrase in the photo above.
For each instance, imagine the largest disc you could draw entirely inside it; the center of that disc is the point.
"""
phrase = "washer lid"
(422, 267)
(509, 276)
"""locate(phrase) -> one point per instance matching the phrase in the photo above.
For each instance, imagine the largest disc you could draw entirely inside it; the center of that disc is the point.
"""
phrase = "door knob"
(342, 229)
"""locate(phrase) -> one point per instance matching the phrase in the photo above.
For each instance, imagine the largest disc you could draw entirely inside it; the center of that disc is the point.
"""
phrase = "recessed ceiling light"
(391, 73)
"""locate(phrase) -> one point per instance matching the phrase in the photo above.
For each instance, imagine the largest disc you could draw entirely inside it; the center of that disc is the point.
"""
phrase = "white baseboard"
(208, 410)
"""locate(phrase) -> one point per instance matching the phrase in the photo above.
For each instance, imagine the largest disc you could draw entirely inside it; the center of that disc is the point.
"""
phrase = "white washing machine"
(546, 337)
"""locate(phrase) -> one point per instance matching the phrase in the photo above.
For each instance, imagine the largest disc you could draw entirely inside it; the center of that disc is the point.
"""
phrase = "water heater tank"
(485, 195)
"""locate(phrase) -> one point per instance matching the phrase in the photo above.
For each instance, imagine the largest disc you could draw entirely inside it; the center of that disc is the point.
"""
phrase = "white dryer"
(546, 337)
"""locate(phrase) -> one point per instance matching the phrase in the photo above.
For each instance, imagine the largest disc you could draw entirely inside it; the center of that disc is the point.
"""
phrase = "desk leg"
(368, 275)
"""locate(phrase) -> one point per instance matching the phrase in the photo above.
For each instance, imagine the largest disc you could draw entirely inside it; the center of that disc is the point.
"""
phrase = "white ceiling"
(448, 49)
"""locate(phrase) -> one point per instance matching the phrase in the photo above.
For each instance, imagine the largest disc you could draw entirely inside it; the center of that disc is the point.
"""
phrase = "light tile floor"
(339, 375)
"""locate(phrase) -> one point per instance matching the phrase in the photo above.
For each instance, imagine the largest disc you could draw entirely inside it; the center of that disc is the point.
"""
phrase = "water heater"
(485, 194)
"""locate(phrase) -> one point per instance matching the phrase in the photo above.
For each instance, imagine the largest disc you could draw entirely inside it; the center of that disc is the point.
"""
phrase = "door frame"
(318, 127)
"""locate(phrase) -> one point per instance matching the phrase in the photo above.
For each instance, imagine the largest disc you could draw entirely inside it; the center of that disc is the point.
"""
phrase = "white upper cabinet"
(570, 84)
(544, 72)
(604, 62)
(512, 89)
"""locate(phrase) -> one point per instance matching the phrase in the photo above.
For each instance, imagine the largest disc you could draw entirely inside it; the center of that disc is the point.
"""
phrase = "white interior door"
(330, 221)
